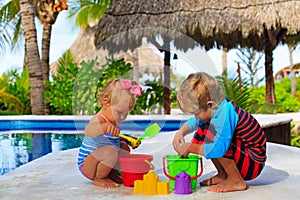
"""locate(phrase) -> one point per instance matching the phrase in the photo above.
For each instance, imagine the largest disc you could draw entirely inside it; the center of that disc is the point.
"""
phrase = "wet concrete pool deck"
(55, 176)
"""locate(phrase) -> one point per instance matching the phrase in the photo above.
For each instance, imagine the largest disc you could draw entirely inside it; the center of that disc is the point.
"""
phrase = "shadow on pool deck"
(55, 176)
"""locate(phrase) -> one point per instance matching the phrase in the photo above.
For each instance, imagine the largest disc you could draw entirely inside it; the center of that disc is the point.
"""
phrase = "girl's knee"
(124, 148)
(106, 154)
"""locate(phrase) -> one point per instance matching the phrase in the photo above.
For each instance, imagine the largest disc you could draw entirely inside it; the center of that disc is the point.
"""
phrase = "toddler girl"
(101, 146)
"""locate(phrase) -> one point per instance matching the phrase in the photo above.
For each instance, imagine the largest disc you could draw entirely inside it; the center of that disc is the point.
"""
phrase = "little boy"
(226, 134)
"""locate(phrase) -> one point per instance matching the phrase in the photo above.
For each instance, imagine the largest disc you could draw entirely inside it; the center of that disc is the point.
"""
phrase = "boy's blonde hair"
(113, 92)
(196, 90)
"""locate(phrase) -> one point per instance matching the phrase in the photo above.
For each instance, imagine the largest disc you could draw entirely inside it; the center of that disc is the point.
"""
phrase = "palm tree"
(32, 52)
(47, 13)
(292, 43)
(293, 77)
(224, 59)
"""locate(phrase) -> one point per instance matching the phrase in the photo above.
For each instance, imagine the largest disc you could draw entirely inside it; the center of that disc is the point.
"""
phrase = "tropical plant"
(88, 11)
(10, 102)
(74, 90)
(295, 141)
(18, 17)
(285, 101)
(236, 90)
(60, 90)
(10, 20)
(15, 92)
(295, 135)
(152, 99)
(85, 87)
(112, 70)
(47, 12)
(284, 96)
(20, 88)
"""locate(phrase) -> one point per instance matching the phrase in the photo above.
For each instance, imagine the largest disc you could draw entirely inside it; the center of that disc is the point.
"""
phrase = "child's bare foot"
(213, 180)
(113, 175)
(106, 183)
(228, 185)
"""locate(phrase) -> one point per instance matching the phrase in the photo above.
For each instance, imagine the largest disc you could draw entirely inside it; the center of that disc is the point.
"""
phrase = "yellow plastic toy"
(150, 131)
(150, 185)
(129, 138)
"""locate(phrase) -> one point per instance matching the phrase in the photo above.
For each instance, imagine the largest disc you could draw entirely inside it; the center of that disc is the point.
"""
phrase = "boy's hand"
(183, 150)
(178, 140)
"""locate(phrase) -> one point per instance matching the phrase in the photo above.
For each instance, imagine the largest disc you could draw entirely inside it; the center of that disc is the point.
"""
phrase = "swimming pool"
(77, 123)
(25, 138)
(17, 149)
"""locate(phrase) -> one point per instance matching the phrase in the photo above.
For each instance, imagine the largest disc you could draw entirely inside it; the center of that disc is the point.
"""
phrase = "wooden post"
(167, 84)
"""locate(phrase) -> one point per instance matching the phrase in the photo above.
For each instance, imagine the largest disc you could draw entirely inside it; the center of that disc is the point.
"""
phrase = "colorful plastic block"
(150, 185)
(163, 187)
(183, 183)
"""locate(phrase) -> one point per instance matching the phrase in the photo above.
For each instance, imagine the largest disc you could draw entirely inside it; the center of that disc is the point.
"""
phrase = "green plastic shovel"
(150, 131)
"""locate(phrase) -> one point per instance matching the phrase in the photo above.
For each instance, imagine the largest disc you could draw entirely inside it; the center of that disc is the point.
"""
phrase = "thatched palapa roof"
(261, 24)
(211, 23)
(143, 57)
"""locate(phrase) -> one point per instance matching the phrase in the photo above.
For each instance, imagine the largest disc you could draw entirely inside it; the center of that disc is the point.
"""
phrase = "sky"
(62, 37)
(64, 34)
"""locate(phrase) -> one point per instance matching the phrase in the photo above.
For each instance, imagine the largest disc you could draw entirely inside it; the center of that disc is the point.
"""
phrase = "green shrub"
(60, 90)
(284, 100)
(295, 141)
(15, 92)
(152, 99)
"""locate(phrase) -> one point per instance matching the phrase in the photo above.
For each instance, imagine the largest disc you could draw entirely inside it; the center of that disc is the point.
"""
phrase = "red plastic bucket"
(133, 167)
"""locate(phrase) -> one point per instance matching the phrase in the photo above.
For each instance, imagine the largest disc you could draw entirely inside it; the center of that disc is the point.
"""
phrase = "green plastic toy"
(150, 131)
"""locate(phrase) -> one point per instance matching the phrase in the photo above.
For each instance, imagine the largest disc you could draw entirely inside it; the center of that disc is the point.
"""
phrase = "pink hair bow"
(134, 89)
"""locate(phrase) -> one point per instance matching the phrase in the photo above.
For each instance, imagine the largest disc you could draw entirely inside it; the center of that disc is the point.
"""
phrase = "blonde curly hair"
(113, 92)
(196, 90)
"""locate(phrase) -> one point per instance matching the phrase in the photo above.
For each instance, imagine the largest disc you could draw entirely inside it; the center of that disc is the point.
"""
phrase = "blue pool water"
(78, 125)
(23, 140)
(20, 148)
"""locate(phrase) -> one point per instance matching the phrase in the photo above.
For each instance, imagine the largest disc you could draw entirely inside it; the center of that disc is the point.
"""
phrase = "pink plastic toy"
(134, 166)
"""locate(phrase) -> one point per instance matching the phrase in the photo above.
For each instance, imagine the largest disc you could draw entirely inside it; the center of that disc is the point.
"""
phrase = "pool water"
(17, 149)
(25, 138)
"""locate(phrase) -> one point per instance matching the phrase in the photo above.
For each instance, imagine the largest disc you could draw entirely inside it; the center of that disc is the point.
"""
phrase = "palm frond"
(236, 90)
(86, 11)
(14, 102)
(66, 58)
(10, 20)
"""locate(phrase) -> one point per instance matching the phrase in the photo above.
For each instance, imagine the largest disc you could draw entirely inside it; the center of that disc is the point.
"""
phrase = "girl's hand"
(136, 145)
(112, 129)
